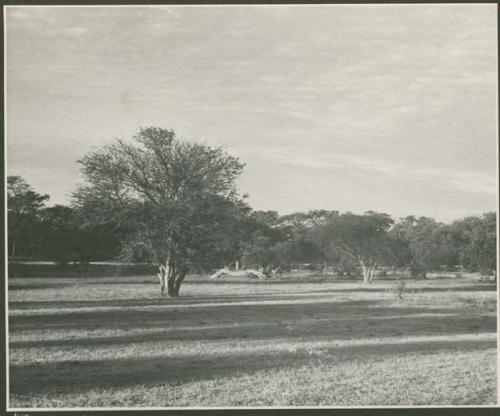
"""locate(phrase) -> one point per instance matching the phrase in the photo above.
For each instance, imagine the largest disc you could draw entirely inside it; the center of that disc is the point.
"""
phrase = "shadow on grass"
(144, 280)
(323, 320)
(152, 281)
(78, 376)
(310, 329)
(196, 299)
(40, 286)
(190, 300)
(19, 284)
(470, 288)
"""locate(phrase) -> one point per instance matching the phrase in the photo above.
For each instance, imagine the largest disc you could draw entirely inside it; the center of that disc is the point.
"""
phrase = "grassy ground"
(78, 270)
(100, 342)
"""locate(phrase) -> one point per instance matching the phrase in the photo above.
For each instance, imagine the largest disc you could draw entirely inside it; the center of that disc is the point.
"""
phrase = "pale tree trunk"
(368, 271)
(171, 278)
(365, 271)
(237, 266)
(371, 274)
(275, 273)
(165, 275)
(162, 275)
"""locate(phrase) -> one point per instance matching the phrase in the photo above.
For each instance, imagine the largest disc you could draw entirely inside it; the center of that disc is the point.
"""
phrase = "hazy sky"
(389, 108)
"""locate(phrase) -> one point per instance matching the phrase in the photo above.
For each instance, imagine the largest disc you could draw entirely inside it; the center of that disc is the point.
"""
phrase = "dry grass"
(113, 342)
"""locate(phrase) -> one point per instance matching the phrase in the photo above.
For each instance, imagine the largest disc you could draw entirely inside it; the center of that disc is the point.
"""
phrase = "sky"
(390, 108)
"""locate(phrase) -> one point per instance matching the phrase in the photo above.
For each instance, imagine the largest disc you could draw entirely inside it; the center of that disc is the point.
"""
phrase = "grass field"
(113, 342)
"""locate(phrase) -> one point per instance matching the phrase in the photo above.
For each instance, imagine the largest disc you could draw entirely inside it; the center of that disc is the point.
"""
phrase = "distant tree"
(60, 234)
(424, 244)
(24, 206)
(268, 219)
(178, 198)
(475, 242)
(283, 241)
(400, 247)
(488, 257)
(363, 238)
(258, 251)
(299, 229)
(68, 237)
(264, 233)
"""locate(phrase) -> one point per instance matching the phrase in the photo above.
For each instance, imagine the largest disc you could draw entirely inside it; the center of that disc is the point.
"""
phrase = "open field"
(101, 342)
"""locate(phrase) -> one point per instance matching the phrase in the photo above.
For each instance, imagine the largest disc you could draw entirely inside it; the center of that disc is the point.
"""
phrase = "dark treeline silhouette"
(174, 204)
(312, 239)
(57, 233)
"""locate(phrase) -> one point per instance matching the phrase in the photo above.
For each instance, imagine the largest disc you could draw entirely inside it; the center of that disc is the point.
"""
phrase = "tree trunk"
(368, 271)
(170, 279)
(177, 284)
(171, 286)
(162, 275)
(365, 271)
(275, 273)
(371, 274)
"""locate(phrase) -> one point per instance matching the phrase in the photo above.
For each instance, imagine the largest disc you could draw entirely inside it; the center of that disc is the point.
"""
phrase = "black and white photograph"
(250, 206)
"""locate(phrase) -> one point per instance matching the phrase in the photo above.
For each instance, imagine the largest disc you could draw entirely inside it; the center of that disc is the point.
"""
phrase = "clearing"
(113, 342)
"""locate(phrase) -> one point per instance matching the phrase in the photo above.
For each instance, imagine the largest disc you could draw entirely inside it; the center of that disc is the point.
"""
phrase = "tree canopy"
(24, 221)
(178, 198)
(174, 203)
(362, 238)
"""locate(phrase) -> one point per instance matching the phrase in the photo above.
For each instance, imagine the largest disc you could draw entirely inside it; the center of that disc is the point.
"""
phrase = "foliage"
(164, 201)
(178, 199)
(22, 199)
(424, 244)
(363, 238)
(475, 242)
(68, 238)
(24, 221)
(283, 240)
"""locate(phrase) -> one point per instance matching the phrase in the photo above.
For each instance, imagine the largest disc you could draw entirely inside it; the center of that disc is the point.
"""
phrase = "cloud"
(466, 181)
(461, 180)
(354, 97)
(75, 30)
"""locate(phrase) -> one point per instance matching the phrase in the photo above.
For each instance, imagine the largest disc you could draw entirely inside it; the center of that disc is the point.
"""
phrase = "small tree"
(177, 198)
(363, 238)
(425, 244)
(474, 239)
(24, 206)
(282, 241)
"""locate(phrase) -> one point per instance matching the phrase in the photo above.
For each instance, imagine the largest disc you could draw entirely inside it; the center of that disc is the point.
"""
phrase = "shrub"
(400, 289)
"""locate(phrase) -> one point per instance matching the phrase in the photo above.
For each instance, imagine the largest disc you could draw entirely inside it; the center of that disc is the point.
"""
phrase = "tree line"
(173, 203)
